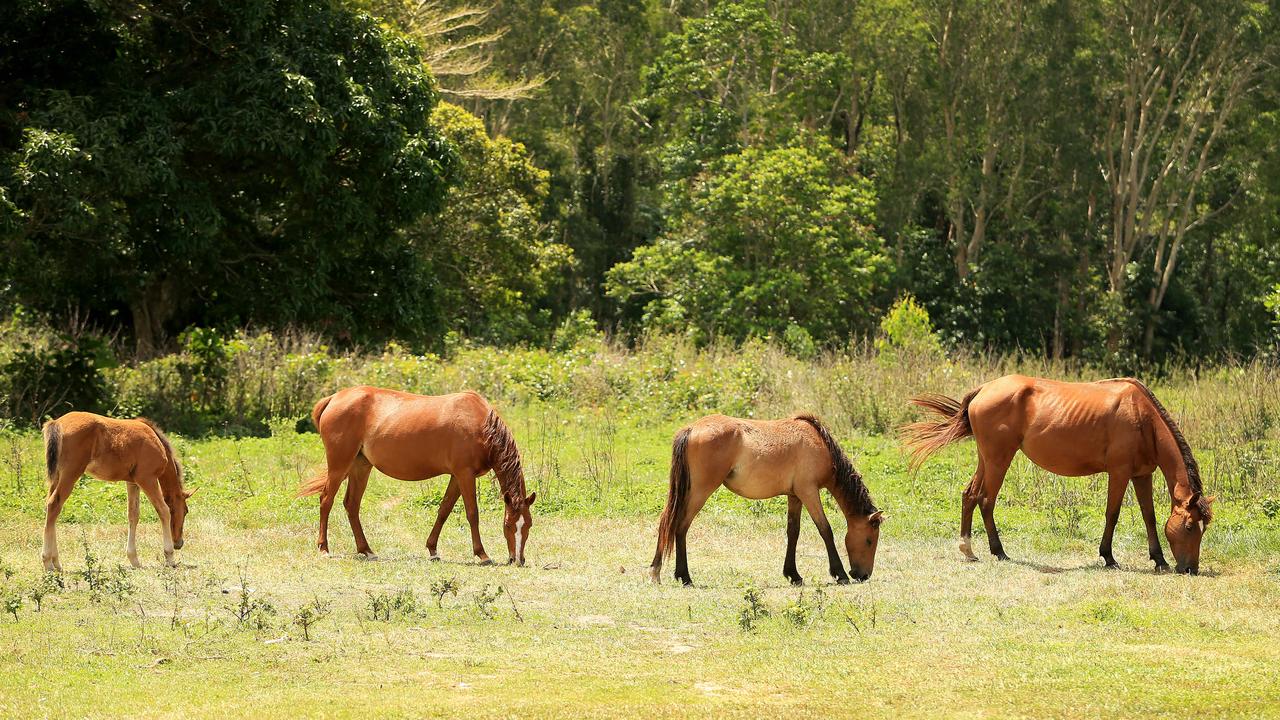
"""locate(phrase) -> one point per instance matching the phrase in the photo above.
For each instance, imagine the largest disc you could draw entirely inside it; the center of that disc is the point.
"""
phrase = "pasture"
(254, 621)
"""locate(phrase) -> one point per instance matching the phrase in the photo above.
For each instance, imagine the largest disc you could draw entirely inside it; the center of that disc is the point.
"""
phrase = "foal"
(133, 451)
(760, 459)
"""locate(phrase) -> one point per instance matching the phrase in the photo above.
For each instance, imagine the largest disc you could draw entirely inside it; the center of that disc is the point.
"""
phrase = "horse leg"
(59, 491)
(813, 503)
(357, 481)
(467, 488)
(793, 534)
(693, 505)
(337, 472)
(446, 506)
(131, 543)
(1142, 490)
(1115, 498)
(993, 478)
(151, 488)
(969, 501)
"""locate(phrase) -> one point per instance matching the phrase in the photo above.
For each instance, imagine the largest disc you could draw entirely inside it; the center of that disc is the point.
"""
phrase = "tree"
(220, 162)
(771, 239)
(496, 263)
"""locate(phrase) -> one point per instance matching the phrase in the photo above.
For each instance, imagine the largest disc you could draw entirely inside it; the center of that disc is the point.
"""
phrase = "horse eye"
(868, 542)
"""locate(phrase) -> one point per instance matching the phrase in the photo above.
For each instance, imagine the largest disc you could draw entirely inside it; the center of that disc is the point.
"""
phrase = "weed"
(309, 615)
(104, 582)
(442, 587)
(384, 606)
(752, 610)
(11, 601)
(49, 584)
(252, 612)
(485, 599)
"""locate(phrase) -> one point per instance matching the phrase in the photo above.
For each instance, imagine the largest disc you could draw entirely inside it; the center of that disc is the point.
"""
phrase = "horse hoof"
(1112, 565)
(842, 580)
(368, 556)
(434, 558)
(796, 581)
(134, 562)
(485, 562)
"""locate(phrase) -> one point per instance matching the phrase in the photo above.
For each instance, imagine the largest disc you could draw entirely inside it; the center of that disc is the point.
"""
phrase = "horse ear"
(529, 500)
(1209, 500)
(189, 493)
(877, 518)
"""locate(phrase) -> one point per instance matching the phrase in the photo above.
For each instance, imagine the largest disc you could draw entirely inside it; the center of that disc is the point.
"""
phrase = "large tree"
(225, 161)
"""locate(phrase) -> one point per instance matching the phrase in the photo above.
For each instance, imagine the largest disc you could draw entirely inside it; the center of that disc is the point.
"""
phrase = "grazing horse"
(133, 451)
(760, 459)
(1113, 426)
(416, 437)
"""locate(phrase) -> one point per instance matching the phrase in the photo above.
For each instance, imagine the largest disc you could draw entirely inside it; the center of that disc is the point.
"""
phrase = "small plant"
(11, 601)
(104, 583)
(1270, 508)
(51, 583)
(804, 611)
(442, 587)
(252, 612)
(752, 610)
(906, 330)
(485, 599)
(384, 606)
(309, 615)
(5, 570)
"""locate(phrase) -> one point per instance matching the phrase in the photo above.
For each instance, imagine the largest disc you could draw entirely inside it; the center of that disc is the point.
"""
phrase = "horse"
(1114, 426)
(416, 437)
(759, 459)
(133, 451)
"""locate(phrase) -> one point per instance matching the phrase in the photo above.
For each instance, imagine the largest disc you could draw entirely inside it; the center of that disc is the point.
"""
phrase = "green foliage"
(494, 260)
(906, 332)
(226, 162)
(310, 614)
(771, 239)
(752, 610)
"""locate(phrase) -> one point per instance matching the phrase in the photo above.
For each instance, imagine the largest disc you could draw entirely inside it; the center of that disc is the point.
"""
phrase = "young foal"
(416, 437)
(760, 459)
(133, 451)
(1073, 429)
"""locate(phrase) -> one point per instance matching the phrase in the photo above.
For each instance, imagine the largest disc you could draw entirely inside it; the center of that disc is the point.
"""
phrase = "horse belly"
(407, 460)
(1072, 453)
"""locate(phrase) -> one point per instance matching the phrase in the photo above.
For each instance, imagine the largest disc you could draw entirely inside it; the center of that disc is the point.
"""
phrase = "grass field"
(581, 632)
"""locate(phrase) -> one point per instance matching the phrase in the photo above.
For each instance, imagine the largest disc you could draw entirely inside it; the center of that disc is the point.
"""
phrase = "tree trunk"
(151, 309)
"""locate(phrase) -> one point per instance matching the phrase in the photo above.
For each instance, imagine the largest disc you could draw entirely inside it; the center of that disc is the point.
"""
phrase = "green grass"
(581, 632)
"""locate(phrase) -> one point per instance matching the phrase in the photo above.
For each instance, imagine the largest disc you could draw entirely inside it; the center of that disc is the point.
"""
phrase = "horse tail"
(172, 456)
(314, 484)
(504, 458)
(318, 410)
(52, 449)
(677, 494)
(925, 437)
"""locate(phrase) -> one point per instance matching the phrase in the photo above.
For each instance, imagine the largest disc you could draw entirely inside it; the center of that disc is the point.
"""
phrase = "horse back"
(111, 448)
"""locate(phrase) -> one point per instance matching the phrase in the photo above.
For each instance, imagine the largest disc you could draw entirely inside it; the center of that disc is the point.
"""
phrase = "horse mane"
(168, 448)
(848, 481)
(505, 458)
(1193, 469)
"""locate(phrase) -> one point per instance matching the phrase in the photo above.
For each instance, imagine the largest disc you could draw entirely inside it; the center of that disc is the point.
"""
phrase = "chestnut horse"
(135, 452)
(760, 459)
(1113, 426)
(416, 437)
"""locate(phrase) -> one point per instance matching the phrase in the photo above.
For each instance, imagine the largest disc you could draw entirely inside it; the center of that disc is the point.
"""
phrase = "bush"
(906, 332)
(48, 379)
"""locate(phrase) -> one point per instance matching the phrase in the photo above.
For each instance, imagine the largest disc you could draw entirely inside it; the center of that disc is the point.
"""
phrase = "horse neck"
(170, 480)
(1171, 463)
(845, 503)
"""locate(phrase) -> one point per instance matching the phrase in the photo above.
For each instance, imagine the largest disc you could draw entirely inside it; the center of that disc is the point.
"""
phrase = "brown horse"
(416, 437)
(133, 451)
(760, 459)
(1074, 429)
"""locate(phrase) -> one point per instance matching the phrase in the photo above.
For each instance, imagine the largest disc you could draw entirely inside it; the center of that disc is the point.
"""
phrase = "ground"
(581, 632)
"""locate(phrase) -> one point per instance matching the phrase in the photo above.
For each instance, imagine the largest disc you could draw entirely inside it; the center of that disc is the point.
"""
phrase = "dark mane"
(1193, 470)
(168, 448)
(505, 458)
(848, 482)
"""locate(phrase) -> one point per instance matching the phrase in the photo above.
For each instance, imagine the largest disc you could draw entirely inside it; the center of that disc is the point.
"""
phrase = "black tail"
(52, 446)
(676, 497)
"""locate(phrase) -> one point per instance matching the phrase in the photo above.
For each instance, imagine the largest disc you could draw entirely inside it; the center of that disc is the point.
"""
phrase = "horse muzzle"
(177, 545)
(1188, 569)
